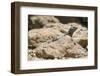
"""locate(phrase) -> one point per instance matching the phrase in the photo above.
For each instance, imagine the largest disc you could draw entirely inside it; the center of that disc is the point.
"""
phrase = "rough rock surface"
(38, 36)
(59, 26)
(48, 38)
(62, 48)
(40, 21)
(69, 28)
(81, 36)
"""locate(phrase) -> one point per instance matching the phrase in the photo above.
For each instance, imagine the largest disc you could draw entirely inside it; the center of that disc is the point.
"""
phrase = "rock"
(50, 39)
(38, 36)
(49, 32)
(63, 47)
(40, 21)
(31, 54)
(73, 24)
(81, 36)
(59, 26)
(68, 29)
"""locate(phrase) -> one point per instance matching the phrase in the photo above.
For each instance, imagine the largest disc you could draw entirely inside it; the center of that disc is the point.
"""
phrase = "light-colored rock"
(63, 47)
(68, 29)
(81, 36)
(39, 36)
(50, 39)
(40, 21)
(64, 28)
(73, 24)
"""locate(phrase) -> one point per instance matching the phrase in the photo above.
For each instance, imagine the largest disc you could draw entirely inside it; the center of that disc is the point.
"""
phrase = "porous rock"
(39, 36)
(63, 47)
